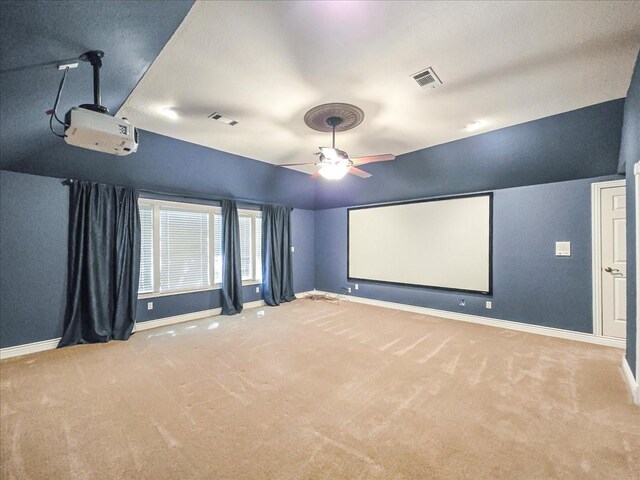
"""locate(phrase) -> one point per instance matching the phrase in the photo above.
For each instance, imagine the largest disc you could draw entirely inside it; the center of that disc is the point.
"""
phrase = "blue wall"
(303, 240)
(629, 156)
(583, 143)
(176, 167)
(531, 285)
(34, 213)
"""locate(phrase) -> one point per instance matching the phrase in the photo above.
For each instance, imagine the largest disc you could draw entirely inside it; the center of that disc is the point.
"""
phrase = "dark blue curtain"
(104, 263)
(231, 271)
(277, 273)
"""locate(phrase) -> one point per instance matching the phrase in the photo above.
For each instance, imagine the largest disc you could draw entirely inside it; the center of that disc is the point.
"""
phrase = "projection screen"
(442, 243)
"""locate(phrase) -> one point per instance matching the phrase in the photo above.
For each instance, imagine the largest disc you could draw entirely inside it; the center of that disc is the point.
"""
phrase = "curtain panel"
(231, 266)
(277, 270)
(103, 263)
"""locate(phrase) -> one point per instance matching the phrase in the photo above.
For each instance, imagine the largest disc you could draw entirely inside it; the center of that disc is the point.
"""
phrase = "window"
(250, 245)
(258, 239)
(217, 248)
(181, 247)
(146, 249)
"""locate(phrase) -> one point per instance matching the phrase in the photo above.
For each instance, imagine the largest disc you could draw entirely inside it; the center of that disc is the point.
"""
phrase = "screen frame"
(430, 287)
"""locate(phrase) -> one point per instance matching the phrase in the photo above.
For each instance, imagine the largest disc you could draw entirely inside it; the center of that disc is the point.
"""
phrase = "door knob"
(611, 270)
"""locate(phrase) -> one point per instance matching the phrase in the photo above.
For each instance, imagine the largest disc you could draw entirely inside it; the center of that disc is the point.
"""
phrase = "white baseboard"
(493, 322)
(34, 347)
(631, 381)
(187, 317)
(18, 350)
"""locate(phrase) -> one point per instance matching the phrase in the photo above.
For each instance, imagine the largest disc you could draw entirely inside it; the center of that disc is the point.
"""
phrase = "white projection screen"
(442, 243)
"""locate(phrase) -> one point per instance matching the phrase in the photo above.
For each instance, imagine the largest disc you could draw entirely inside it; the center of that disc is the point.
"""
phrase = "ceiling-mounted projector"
(90, 125)
(100, 131)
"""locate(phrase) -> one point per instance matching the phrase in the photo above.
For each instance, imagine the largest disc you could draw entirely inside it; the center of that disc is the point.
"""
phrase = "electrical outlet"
(356, 286)
(257, 289)
(349, 290)
(149, 305)
(488, 304)
(461, 302)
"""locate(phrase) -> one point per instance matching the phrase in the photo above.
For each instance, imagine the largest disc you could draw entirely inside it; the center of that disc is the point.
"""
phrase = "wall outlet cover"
(563, 249)
(356, 286)
(257, 289)
(149, 305)
(488, 304)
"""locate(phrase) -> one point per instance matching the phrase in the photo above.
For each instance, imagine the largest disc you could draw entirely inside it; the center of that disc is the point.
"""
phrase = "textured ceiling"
(35, 35)
(265, 64)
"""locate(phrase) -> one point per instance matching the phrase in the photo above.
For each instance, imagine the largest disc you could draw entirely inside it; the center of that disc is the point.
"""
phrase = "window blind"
(146, 249)
(217, 248)
(258, 240)
(184, 249)
(246, 248)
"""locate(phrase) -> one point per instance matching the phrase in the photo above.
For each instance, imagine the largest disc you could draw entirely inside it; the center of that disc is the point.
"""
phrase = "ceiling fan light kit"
(333, 171)
(335, 163)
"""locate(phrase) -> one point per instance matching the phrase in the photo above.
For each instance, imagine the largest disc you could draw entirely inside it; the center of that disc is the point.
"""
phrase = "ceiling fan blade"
(373, 158)
(297, 164)
(358, 172)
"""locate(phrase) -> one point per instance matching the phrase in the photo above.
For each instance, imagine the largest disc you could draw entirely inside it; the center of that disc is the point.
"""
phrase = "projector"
(100, 131)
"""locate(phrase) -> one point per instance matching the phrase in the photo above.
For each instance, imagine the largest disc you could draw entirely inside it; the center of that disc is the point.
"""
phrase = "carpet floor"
(315, 390)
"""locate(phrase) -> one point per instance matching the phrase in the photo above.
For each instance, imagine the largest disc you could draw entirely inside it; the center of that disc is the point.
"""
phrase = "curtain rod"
(191, 196)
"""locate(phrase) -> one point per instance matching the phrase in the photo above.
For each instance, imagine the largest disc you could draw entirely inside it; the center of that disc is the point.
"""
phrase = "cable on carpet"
(326, 297)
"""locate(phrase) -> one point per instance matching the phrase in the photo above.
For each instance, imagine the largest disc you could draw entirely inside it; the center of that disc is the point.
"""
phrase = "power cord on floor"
(326, 297)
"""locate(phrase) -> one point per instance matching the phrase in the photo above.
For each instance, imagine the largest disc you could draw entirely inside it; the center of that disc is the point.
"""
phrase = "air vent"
(427, 78)
(221, 118)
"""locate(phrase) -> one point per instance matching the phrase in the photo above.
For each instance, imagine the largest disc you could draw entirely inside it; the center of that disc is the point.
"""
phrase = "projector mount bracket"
(94, 57)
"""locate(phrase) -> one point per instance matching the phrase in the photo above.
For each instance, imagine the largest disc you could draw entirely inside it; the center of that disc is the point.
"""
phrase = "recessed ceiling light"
(473, 126)
(171, 112)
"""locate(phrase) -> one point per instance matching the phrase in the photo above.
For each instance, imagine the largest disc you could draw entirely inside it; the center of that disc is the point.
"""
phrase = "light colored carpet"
(313, 390)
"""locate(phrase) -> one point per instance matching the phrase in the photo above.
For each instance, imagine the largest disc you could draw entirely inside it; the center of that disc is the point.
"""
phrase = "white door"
(613, 254)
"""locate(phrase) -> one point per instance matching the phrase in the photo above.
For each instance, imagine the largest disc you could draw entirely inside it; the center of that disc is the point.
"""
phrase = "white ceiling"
(265, 64)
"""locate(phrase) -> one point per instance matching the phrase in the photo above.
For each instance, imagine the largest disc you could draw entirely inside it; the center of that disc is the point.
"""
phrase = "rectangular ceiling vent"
(221, 118)
(427, 78)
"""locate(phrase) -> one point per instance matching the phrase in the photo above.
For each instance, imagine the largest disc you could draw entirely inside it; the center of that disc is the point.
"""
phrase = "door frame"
(636, 171)
(596, 260)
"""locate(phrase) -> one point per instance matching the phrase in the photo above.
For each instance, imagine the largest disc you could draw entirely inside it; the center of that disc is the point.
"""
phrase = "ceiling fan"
(335, 163)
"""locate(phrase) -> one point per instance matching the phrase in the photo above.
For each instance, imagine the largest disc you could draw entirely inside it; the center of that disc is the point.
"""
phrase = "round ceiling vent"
(317, 117)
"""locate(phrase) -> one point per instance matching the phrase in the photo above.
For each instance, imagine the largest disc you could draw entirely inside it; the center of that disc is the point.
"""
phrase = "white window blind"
(246, 248)
(184, 249)
(258, 240)
(217, 248)
(146, 249)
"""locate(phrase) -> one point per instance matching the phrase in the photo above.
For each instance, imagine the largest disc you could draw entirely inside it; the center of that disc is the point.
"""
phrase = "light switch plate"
(293, 249)
(149, 305)
(563, 249)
